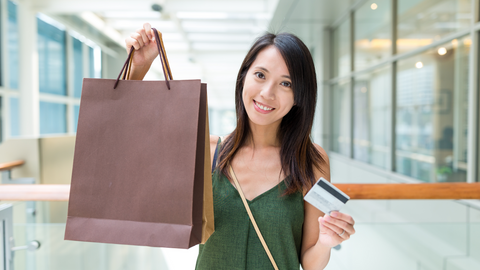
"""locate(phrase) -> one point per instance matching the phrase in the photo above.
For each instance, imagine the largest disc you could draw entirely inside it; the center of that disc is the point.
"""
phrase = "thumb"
(320, 224)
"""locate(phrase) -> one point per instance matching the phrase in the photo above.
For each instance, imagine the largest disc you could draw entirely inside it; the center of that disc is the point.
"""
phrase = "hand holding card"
(326, 197)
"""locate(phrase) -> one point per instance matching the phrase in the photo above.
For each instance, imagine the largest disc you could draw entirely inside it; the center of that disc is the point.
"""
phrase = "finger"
(148, 30)
(132, 42)
(343, 234)
(145, 39)
(339, 223)
(139, 38)
(332, 232)
(327, 227)
(331, 226)
(321, 226)
(339, 230)
(347, 218)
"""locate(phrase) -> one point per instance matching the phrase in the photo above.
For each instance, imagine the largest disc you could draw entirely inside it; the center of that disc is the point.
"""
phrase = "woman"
(273, 158)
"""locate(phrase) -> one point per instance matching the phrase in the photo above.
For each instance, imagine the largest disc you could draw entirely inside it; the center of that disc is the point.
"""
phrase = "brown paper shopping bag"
(141, 171)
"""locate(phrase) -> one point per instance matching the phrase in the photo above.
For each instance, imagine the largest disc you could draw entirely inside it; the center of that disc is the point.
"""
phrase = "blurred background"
(398, 99)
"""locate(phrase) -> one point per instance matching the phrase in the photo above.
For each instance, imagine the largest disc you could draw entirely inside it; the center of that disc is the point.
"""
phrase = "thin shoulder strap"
(240, 191)
(214, 164)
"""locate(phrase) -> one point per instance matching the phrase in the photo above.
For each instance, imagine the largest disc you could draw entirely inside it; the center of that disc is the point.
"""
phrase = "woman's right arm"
(143, 40)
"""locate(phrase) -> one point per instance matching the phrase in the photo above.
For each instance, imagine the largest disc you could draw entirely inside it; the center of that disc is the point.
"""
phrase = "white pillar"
(323, 68)
(29, 83)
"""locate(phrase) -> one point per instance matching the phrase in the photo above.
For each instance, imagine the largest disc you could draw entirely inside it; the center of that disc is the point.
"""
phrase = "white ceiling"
(205, 39)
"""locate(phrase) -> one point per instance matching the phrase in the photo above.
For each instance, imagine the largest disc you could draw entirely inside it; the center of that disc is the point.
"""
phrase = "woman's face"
(267, 91)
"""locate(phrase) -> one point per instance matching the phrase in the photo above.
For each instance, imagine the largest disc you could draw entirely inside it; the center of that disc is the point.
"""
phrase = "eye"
(286, 84)
(259, 75)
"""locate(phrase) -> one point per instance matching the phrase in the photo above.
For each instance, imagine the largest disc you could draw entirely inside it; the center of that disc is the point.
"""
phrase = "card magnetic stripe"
(332, 191)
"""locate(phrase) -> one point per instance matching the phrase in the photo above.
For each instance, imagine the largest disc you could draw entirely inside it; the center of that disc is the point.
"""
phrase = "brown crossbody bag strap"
(237, 185)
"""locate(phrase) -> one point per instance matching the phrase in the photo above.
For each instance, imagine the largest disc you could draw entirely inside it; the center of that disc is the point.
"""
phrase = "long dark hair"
(298, 155)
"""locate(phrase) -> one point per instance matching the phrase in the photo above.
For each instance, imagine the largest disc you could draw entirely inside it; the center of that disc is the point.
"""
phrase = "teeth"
(263, 108)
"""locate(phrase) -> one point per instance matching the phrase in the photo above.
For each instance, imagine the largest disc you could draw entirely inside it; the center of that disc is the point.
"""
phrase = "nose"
(268, 91)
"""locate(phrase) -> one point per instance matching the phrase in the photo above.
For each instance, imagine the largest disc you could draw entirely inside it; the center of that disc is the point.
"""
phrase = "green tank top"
(235, 244)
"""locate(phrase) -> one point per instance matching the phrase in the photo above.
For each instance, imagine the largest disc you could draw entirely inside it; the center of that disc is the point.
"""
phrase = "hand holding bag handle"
(163, 58)
(240, 191)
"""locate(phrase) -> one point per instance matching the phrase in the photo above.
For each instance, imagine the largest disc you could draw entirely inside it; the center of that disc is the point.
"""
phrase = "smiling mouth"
(263, 107)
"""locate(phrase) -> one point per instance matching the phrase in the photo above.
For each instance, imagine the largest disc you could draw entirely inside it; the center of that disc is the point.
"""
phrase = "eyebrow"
(266, 70)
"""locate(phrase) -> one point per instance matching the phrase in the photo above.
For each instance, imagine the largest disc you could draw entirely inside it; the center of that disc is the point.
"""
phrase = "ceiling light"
(455, 43)
(442, 51)
(216, 46)
(374, 6)
(221, 37)
(131, 25)
(100, 24)
(419, 65)
(202, 15)
(214, 27)
(131, 14)
(93, 19)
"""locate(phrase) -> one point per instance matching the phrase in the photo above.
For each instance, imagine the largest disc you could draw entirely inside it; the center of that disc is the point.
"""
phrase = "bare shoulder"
(213, 146)
(213, 143)
(325, 166)
(213, 140)
(322, 152)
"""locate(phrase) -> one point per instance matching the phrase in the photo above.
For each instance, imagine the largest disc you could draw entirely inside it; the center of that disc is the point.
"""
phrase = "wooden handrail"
(427, 191)
(10, 165)
(21, 192)
(436, 191)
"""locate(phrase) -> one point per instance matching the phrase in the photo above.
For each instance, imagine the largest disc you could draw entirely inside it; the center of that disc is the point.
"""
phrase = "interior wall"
(112, 65)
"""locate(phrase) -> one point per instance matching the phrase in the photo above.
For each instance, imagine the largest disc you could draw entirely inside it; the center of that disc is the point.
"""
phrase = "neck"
(263, 136)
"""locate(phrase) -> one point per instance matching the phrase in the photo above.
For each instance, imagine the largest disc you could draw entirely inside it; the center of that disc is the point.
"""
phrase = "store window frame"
(6, 92)
(473, 95)
(71, 99)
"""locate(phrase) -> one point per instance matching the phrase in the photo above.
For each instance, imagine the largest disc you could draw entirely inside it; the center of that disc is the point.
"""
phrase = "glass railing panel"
(425, 246)
(376, 246)
(58, 254)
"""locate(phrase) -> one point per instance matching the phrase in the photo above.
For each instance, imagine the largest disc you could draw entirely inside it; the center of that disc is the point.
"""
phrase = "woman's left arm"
(322, 232)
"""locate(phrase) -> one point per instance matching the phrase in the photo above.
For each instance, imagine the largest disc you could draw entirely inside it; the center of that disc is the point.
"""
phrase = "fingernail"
(334, 214)
(326, 217)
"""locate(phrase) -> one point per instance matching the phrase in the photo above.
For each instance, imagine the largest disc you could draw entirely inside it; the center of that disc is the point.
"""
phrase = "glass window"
(53, 118)
(432, 113)
(373, 33)
(77, 67)
(420, 22)
(341, 50)
(372, 122)
(221, 121)
(14, 117)
(51, 58)
(95, 56)
(341, 112)
(76, 111)
(1, 121)
(13, 46)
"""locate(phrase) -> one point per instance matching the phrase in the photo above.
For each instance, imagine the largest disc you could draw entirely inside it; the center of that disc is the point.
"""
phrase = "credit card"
(326, 197)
